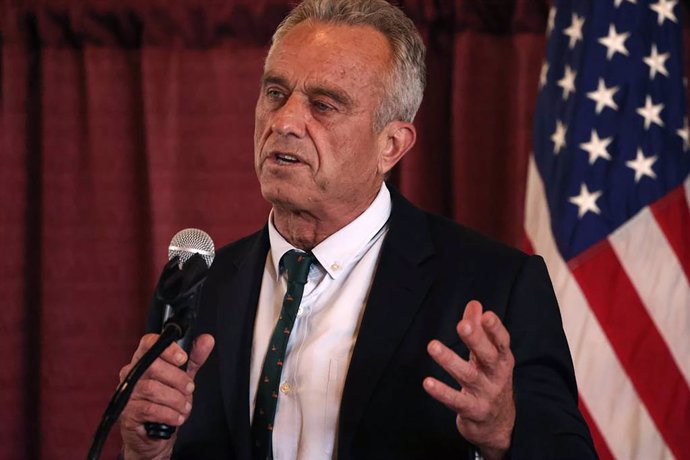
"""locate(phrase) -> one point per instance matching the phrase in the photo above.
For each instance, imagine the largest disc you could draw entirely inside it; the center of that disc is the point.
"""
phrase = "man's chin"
(284, 197)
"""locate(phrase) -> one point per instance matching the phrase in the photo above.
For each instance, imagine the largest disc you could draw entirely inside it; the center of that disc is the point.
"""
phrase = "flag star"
(603, 96)
(642, 165)
(664, 10)
(651, 113)
(558, 137)
(574, 31)
(543, 74)
(552, 20)
(567, 82)
(586, 201)
(656, 62)
(597, 147)
(614, 42)
(684, 134)
(618, 2)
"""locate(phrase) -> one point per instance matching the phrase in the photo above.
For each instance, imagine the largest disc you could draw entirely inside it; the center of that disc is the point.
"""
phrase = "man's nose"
(291, 117)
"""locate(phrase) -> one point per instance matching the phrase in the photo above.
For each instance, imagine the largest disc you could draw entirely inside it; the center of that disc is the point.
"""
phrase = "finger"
(462, 372)
(497, 333)
(163, 395)
(124, 371)
(170, 375)
(201, 349)
(174, 354)
(463, 404)
(473, 313)
(157, 369)
(472, 333)
(139, 412)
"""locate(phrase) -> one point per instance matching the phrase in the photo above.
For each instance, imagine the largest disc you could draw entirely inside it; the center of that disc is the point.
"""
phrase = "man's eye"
(322, 107)
(274, 94)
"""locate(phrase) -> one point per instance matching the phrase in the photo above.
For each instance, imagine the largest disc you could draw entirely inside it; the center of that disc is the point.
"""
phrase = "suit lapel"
(237, 301)
(402, 279)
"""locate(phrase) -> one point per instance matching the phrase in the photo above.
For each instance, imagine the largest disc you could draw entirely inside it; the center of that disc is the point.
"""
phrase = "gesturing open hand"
(484, 405)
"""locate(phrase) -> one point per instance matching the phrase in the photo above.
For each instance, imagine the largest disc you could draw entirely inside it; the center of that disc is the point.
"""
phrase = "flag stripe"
(687, 190)
(613, 403)
(657, 276)
(599, 442)
(637, 343)
(673, 215)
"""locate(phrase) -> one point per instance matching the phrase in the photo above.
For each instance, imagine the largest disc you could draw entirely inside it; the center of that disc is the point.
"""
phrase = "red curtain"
(125, 121)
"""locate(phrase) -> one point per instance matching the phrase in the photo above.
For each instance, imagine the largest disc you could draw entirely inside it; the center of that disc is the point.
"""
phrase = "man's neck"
(305, 230)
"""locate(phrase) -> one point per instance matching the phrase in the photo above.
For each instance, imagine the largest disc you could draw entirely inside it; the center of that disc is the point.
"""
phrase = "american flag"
(607, 207)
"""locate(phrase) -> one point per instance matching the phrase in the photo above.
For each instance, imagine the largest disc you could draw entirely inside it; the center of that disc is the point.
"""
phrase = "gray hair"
(405, 84)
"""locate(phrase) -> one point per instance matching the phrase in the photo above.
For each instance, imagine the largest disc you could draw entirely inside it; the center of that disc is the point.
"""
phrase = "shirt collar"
(344, 246)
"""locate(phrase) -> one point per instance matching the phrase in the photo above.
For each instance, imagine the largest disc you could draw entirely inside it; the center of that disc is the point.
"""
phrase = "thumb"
(201, 349)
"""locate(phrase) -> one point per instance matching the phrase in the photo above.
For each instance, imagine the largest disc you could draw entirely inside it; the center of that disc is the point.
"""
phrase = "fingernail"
(179, 357)
(466, 329)
(435, 348)
(489, 321)
(429, 383)
(187, 407)
(180, 420)
(190, 387)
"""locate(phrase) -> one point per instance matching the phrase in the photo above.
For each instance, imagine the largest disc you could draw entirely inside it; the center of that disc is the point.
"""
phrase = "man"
(366, 373)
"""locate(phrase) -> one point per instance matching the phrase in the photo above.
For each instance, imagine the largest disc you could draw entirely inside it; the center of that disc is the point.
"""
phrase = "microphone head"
(191, 241)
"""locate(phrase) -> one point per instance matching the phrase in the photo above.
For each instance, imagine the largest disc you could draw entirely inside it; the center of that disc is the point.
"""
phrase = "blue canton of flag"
(610, 135)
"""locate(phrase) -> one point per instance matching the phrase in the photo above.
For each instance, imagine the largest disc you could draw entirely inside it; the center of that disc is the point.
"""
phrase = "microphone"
(190, 253)
(191, 241)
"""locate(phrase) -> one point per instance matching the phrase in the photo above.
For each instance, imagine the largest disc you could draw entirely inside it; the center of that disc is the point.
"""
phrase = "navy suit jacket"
(429, 268)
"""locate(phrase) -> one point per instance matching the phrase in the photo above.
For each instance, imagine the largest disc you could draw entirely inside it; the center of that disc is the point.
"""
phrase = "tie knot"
(297, 265)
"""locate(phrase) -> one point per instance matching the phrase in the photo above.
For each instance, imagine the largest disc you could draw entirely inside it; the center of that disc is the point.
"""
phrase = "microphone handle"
(156, 430)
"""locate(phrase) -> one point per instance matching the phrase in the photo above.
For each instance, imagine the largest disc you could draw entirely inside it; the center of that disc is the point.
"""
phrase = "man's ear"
(397, 137)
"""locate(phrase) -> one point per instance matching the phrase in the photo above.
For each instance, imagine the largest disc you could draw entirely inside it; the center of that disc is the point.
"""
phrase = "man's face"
(315, 149)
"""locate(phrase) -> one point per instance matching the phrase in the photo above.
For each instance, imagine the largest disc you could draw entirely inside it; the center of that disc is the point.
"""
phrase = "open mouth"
(286, 158)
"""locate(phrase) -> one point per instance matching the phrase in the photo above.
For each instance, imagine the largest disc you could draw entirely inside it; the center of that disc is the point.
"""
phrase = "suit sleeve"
(548, 423)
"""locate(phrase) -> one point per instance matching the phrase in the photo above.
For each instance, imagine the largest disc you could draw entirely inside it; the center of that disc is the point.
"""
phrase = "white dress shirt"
(323, 336)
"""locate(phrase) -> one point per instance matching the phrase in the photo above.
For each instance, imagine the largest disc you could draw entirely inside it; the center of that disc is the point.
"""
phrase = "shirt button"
(300, 311)
(285, 388)
(335, 267)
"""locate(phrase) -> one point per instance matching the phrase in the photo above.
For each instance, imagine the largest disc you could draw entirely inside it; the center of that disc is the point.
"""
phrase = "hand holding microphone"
(163, 394)
(190, 255)
(155, 391)
(163, 397)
